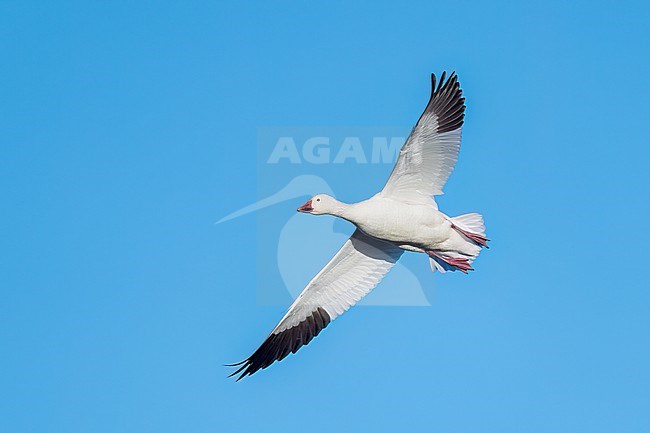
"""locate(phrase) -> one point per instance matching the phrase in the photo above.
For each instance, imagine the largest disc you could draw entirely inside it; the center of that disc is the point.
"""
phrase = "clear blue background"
(127, 129)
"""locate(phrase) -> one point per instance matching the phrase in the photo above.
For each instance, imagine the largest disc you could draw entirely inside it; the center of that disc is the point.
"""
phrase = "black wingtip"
(446, 102)
(239, 370)
(277, 346)
(437, 85)
(442, 81)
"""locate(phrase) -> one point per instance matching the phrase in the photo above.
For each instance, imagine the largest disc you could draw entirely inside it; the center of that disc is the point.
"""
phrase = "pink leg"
(460, 263)
(479, 239)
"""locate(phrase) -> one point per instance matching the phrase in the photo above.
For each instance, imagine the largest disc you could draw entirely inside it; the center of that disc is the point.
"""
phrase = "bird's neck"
(343, 210)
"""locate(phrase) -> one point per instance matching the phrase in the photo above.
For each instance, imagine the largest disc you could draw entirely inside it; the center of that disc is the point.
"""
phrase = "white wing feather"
(430, 153)
(354, 271)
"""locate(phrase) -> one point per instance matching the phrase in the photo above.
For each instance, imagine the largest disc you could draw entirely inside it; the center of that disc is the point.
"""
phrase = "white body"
(412, 227)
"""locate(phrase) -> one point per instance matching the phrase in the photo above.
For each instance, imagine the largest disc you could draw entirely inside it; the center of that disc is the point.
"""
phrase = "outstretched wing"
(353, 272)
(431, 151)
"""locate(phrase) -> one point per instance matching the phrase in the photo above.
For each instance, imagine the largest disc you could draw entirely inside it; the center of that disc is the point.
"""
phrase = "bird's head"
(320, 204)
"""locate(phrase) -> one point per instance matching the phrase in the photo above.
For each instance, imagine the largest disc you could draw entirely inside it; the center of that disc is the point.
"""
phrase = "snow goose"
(402, 216)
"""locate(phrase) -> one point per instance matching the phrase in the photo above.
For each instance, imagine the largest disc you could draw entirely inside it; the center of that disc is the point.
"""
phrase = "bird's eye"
(317, 199)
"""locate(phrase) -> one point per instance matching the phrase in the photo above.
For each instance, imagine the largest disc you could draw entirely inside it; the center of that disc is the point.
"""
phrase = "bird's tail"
(472, 228)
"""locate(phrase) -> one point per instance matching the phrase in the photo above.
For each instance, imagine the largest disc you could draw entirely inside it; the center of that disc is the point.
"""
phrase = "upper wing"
(353, 272)
(431, 151)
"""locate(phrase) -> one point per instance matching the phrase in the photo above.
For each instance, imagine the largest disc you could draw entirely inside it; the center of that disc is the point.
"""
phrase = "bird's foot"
(479, 239)
(460, 263)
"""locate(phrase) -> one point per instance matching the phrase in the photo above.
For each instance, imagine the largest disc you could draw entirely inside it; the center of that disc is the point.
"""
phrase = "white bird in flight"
(402, 216)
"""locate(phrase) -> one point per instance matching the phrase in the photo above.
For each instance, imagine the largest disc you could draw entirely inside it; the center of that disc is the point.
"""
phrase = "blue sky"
(127, 130)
